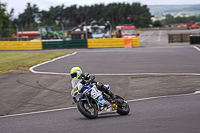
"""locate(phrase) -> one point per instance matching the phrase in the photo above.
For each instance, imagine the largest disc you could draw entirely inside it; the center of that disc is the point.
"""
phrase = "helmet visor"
(74, 75)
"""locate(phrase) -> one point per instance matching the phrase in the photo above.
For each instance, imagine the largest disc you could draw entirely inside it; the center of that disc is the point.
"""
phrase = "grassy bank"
(139, 31)
(10, 62)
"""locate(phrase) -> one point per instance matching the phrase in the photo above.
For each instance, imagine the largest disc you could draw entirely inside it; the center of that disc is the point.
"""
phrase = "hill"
(160, 11)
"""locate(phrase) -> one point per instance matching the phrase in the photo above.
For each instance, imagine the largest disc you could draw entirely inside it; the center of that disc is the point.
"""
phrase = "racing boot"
(112, 96)
(103, 88)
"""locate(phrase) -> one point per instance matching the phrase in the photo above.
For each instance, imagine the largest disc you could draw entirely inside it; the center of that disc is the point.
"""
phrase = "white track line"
(38, 112)
(147, 37)
(150, 98)
(159, 74)
(123, 74)
(196, 48)
(159, 36)
(33, 71)
(135, 100)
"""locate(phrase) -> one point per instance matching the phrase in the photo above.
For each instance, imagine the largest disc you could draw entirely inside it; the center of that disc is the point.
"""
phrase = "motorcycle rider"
(84, 78)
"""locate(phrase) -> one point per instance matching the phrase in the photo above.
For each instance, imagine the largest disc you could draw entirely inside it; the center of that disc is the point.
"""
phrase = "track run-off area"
(160, 82)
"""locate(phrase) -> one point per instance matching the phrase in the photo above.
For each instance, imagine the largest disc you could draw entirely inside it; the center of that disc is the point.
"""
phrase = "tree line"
(169, 19)
(5, 21)
(117, 13)
(174, 20)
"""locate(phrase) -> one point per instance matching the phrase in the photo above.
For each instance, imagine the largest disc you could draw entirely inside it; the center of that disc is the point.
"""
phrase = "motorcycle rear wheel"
(86, 110)
(122, 108)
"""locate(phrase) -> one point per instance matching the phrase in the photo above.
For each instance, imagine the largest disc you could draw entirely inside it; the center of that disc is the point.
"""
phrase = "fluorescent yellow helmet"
(75, 72)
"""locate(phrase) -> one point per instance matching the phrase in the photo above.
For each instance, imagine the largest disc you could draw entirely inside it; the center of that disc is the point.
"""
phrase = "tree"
(157, 23)
(25, 18)
(170, 19)
(5, 21)
(116, 13)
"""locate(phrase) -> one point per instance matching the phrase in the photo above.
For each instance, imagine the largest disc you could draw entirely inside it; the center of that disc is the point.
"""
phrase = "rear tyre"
(122, 108)
(86, 110)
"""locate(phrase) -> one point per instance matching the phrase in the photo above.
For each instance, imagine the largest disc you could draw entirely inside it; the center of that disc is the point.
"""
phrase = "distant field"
(177, 10)
(10, 62)
(174, 8)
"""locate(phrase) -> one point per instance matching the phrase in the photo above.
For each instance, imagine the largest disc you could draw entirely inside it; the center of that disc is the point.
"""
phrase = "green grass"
(10, 62)
(139, 31)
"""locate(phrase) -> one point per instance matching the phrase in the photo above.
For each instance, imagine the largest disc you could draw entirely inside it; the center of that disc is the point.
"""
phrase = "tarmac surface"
(175, 114)
(155, 69)
(129, 61)
(143, 72)
(23, 92)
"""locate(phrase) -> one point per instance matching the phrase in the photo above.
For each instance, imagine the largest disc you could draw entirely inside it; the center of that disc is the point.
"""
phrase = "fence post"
(181, 37)
(86, 35)
(63, 31)
(40, 32)
(17, 32)
(169, 38)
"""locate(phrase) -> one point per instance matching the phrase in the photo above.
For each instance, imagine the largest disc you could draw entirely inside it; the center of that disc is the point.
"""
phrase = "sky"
(20, 5)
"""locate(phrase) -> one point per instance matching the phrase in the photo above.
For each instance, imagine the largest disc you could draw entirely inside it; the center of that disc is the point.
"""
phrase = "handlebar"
(90, 81)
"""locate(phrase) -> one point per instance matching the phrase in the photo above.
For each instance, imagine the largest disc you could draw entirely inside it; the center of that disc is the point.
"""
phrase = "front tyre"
(86, 110)
(123, 107)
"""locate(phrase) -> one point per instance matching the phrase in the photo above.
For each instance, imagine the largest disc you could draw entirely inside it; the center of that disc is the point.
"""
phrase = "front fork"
(88, 100)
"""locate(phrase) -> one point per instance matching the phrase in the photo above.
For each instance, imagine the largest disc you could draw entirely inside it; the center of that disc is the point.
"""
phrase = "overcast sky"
(20, 5)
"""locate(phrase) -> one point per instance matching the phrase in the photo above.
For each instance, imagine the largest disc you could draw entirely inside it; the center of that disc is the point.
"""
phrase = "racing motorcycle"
(91, 102)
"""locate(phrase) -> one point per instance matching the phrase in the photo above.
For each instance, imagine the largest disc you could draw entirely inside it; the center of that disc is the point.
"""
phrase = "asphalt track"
(173, 114)
(168, 114)
(129, 61)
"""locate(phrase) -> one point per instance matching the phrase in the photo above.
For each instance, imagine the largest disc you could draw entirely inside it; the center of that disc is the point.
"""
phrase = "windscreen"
(96, 31)
(129, 32)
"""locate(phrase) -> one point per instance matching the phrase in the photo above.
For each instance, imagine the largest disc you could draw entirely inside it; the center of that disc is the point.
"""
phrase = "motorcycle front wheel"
(90, 112)
(123, 107)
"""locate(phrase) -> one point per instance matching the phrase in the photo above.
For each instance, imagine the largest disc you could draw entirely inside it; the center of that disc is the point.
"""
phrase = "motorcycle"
(91, 102)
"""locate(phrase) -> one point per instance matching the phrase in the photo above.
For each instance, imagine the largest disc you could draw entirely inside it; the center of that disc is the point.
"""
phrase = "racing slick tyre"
(86, 110)
(122, 107)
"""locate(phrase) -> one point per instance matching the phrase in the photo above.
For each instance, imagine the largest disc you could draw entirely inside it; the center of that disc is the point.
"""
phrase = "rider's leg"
(103, 88)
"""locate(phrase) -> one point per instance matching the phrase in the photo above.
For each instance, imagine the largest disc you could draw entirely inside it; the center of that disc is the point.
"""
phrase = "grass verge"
(10, 62)
(139, 31)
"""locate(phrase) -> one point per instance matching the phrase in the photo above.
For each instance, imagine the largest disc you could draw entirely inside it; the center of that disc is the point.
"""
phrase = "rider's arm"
(86, 78)
(73, 83)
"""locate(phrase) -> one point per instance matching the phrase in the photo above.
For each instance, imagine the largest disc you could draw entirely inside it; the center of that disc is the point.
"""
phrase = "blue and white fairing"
(103, 105)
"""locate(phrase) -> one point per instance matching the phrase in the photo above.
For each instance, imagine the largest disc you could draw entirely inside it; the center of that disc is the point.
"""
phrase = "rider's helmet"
(75, 72)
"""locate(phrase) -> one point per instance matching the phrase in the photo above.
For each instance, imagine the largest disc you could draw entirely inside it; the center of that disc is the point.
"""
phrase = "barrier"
(20, 45)
(128, 43)
(90, 43)
(114, 43)
(106, 43)
(195, 39)
(178, 37)
(64, 44)
(136, 42)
